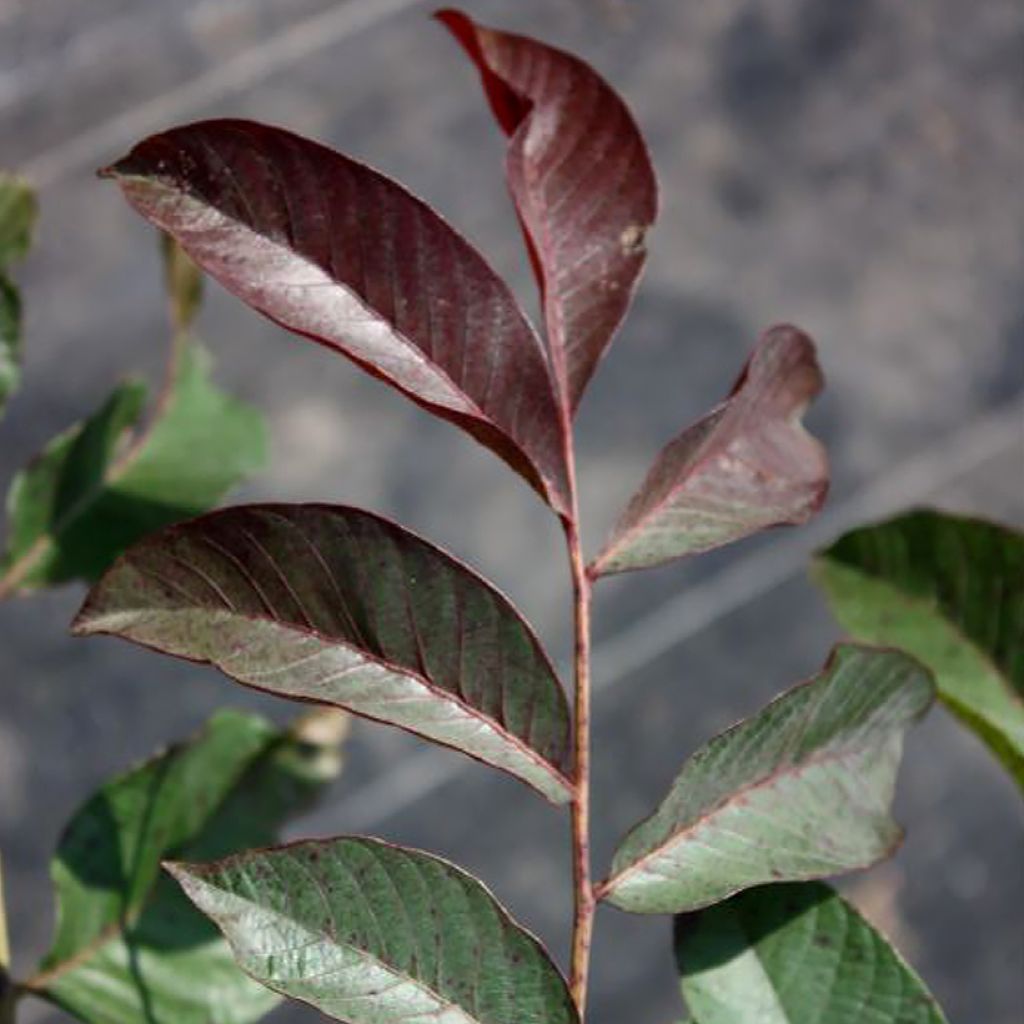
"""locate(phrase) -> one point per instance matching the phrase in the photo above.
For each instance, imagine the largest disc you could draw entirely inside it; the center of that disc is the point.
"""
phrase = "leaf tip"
(81, 624)
(176, 868)
(457, 22)
(449, 16)
(188, 876)
(112, 171)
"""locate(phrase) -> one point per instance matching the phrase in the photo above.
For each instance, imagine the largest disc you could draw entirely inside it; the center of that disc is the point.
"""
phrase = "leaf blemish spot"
(632, 239)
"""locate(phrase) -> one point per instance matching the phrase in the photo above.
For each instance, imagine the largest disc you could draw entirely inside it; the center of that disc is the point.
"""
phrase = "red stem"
(585, 901)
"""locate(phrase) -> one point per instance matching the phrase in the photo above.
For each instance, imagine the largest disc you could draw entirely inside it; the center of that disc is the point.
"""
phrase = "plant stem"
(5, 942)
(8, 992)
(585, 902)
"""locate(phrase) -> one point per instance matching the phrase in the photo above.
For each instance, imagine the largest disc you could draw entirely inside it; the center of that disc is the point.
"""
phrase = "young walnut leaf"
(582, 182)
(340, 254)
(748, 465)
(336, 605)
(949, 590)
(129, 948)
(795, 954)
(370, 933)
(801, 790)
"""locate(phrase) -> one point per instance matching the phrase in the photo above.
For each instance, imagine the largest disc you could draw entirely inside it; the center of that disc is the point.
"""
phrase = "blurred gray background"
(855, 168)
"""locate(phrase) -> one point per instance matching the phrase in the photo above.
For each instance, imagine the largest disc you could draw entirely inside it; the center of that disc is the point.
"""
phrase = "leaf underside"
(106, 482)
(950, 590)
(340, 254)
(129, 948)
(336, 605)
(800, 790)
(748, 465)
(795, 954)
(370, 933)
(582, 183)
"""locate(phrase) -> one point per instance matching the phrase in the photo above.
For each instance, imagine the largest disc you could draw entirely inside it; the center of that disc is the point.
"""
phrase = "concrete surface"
(854, 168)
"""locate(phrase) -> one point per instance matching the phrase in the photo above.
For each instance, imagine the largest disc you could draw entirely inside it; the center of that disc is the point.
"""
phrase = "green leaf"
(376, 934)
(336, 605)
(950, 590)
(801, 790)
(10, 340)
(18, 213)
(795, 954)
(17, 224)
(98, 487)
(129, 948)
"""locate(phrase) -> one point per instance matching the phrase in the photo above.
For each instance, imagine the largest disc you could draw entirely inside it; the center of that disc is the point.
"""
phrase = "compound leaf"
(795, 954)
(950, 590)
(748, 465)
(370, 933)
(103, 484)
(18, 213)
(336, 605)
(582, 182)
(801, 790)
(129, 948)
(336, 252)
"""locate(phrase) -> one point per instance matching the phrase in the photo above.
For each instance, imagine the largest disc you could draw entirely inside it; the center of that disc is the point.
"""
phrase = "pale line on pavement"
(103, 142)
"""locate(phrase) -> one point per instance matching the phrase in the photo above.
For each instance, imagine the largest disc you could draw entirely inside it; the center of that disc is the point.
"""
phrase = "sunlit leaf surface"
(333, 604)
(370, 933)
(129, 948)
(581, 178)
(800, 790)
(950, 590)
(795, 954)
(335, 251)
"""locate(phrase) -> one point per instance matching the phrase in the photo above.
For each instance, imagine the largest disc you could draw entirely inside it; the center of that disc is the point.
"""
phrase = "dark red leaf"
(748, 465)
(334, 251)
(583, 185)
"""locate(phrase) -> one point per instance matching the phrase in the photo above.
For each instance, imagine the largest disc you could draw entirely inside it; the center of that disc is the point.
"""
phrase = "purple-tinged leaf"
(801, 790)
(338, 253)
(338, 606)
(748, 465)
(582, 182)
